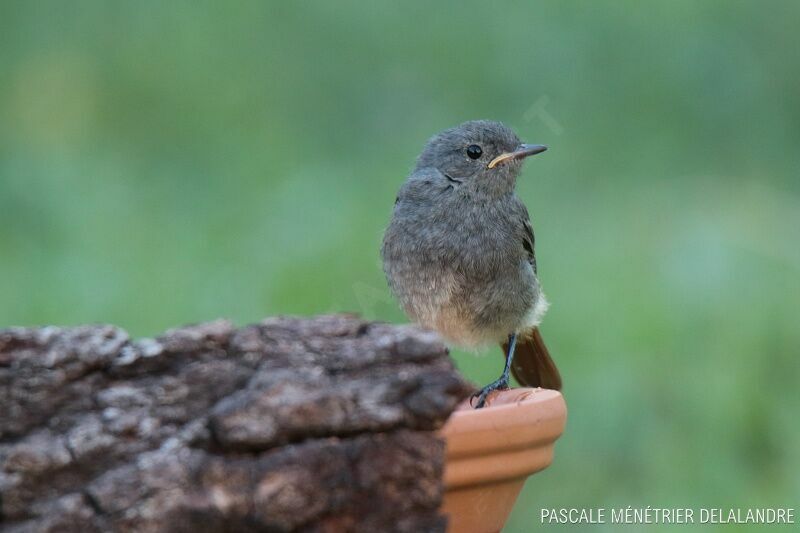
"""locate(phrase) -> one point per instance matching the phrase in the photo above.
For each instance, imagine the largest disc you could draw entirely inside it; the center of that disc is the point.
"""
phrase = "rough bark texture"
(320, 424)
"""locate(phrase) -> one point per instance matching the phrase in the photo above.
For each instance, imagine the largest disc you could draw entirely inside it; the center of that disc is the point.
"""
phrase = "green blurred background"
(165, 163)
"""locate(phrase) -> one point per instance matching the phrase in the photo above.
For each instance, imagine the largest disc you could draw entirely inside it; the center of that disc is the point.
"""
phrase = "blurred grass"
(164, 163)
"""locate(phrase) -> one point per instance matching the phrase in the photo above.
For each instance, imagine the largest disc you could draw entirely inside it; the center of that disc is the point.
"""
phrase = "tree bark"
(322, 424)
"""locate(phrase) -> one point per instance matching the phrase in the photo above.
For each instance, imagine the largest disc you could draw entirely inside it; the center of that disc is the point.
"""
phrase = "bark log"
(323, 424)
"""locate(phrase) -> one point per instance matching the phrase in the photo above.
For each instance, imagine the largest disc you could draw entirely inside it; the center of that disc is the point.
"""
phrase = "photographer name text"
(659, 515)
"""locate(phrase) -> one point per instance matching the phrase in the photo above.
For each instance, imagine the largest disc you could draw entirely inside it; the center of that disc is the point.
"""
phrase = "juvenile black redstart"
(459, 250)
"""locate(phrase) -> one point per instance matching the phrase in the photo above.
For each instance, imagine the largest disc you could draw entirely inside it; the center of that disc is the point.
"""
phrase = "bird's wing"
(532, 365)
(529, 242)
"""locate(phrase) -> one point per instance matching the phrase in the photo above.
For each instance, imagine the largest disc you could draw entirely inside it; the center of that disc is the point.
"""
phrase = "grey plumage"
(459, 251)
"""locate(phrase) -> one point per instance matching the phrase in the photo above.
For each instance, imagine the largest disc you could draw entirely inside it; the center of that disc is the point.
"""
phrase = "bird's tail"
(532, 365)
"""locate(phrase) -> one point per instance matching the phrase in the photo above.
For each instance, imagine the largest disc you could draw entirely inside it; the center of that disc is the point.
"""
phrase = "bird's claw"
(500, 384)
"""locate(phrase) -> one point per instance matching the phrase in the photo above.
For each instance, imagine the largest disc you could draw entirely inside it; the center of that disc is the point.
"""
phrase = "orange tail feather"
(532, 365)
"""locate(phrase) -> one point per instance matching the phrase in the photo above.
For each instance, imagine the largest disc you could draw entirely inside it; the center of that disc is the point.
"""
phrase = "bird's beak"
(522, 152)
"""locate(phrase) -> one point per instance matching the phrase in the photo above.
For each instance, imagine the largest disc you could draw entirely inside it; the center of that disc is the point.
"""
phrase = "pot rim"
(512, 437)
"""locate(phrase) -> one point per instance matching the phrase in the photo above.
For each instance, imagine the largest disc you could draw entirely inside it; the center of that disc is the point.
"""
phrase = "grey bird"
(459, 251)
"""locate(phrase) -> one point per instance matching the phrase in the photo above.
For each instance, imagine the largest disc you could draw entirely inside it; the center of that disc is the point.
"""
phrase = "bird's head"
(481, 154)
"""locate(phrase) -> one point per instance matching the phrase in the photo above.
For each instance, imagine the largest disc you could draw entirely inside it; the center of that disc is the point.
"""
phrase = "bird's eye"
(474, 151)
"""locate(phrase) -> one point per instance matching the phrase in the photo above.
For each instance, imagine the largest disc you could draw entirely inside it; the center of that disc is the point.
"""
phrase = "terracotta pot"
(492, 451)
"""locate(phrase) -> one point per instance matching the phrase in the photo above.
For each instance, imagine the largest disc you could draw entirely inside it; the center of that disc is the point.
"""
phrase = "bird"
(459, 256)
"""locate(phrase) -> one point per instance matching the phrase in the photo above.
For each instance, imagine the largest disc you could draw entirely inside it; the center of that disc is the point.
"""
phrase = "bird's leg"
(502, 381)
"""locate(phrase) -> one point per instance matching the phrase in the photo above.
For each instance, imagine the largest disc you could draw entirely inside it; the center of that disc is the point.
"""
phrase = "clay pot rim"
(511, 437)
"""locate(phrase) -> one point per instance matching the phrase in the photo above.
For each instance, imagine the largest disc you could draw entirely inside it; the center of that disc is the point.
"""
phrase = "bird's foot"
(500, 384)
